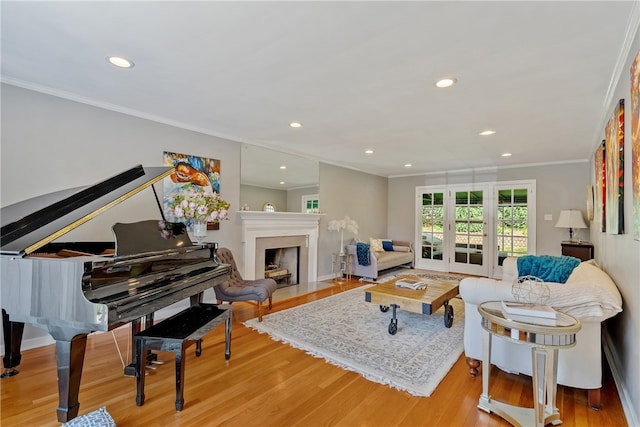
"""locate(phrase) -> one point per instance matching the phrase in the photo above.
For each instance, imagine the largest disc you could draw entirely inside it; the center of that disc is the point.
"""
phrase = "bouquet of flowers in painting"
(192, 192)
(196, 204)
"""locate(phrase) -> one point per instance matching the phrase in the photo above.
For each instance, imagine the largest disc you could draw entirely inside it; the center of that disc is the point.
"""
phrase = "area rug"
(348, 332)
(426, 274)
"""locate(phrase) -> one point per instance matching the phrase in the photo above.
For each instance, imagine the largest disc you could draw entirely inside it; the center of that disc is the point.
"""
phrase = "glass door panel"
(469, 246)
(431, 222)
(512, 223)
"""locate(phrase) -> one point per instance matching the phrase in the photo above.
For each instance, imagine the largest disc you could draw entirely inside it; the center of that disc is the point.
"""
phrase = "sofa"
(589, 294)
(397, 253)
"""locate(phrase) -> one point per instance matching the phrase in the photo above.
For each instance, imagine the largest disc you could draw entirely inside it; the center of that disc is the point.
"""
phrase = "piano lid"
(32, 223)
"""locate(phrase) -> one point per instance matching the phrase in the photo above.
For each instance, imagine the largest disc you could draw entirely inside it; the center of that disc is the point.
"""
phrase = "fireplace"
(262, 231)
(282, 265)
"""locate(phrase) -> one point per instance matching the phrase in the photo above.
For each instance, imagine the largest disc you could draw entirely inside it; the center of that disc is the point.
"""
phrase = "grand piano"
(73, 289)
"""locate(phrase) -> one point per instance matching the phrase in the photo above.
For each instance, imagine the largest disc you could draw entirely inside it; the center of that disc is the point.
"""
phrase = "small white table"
(341, 266)
(545, 341)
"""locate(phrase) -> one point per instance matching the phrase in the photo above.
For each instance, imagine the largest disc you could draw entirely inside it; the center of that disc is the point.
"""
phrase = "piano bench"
(177, 333)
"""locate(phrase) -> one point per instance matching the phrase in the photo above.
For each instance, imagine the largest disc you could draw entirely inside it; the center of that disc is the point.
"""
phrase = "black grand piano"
(72, 289)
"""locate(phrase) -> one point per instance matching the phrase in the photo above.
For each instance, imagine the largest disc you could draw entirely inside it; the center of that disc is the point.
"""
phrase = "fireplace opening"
(274, 254)
(282, 265)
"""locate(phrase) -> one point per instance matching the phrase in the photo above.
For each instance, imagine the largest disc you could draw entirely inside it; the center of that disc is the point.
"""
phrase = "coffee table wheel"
(384, 308)
(393, 326)
(448, 315)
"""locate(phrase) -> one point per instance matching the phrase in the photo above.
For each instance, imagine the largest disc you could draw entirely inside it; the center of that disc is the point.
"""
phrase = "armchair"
(238, 289)
(589, 295)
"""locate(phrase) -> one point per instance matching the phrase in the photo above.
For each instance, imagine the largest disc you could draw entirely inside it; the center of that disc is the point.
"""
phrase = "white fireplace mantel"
(256, 224)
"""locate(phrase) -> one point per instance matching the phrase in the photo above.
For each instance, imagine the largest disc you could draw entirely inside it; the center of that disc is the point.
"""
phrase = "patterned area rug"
(426, 274)
(348, 332)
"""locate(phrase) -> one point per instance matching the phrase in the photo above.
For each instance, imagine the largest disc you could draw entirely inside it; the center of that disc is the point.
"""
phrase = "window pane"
(462, 198)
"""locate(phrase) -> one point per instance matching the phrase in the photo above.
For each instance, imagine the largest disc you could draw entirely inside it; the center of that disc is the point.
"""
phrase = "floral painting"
(635, 144)
(614, 137)
(193, 176)
(601, 186)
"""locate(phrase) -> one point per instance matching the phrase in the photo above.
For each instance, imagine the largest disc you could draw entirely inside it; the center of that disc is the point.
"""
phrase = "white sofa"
(402, 254)
(589, 295)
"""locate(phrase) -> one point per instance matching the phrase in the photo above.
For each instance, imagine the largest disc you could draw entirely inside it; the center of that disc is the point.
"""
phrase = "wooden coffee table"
(424, 301)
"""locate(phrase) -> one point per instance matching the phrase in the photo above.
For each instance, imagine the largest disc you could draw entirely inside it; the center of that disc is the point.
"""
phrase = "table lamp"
(571, 219)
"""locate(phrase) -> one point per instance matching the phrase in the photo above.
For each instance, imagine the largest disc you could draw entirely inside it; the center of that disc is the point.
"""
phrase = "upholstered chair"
(238, 289)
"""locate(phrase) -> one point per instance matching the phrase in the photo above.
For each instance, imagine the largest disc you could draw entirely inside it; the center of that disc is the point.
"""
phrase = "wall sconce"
(571, 219)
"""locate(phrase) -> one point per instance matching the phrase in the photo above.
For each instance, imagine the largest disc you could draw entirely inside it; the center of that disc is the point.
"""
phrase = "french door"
(471, 228)
(468, 229)
(453, 229)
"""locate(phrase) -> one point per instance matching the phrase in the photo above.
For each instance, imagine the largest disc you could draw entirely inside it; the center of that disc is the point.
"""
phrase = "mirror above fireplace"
(281, 179)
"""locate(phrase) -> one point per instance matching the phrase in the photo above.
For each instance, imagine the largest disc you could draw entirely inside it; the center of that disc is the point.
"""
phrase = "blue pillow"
(387, 246)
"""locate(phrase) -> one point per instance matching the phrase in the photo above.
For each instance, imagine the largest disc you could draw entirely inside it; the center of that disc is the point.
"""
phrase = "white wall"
(619, 255)
(256, 197)
(560, 186)
(294, 197)
(361, 196)
(50, 144)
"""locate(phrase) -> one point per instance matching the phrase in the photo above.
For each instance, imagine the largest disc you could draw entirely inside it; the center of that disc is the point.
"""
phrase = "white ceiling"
(357, 75)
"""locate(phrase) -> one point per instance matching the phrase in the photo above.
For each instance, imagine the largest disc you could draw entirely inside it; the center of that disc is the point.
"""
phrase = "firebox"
(282, 265)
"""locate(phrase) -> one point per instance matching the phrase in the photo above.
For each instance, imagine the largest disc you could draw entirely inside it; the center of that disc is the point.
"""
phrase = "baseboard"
(618, 378)
(326, 277)
(30, 343)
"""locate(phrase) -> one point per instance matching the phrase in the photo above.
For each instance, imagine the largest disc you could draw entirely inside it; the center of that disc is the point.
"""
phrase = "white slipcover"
(589, 295)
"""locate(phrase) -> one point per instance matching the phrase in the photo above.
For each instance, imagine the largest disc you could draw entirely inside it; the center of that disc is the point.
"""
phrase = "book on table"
(411, 284)
(527, 309)
(545, 321)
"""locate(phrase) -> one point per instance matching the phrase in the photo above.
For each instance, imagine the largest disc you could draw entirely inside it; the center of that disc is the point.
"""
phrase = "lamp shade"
(571, 219)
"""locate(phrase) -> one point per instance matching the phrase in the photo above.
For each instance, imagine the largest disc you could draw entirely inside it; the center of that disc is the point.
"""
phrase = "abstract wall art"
(635, 144)
(614, 137)
(601, 187)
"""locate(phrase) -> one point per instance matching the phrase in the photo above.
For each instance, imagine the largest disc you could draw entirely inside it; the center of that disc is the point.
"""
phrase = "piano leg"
(70, 358)
(12, 332)
(136, 326)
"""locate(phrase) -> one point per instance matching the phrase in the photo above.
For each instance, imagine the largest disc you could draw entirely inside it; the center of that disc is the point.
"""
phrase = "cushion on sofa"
(376, 244)
(387, 245)
(588, 294)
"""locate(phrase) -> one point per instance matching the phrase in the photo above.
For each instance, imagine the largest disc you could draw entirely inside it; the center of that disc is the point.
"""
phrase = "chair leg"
(270, 302)
(259, 311)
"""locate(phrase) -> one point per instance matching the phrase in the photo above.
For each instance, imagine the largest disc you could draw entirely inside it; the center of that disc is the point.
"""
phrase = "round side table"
(545, 340)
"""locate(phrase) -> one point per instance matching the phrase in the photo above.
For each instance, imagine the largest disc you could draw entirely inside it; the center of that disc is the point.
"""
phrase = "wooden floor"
(266, 383)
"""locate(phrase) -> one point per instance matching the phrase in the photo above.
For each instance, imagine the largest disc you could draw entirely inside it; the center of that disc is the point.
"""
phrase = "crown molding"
(618, 70)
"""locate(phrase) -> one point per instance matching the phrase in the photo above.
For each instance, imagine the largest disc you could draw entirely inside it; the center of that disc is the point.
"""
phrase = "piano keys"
(73, 289)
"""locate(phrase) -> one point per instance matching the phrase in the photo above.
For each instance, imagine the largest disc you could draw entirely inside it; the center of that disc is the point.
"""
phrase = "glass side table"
(545, 341)
(341, 266)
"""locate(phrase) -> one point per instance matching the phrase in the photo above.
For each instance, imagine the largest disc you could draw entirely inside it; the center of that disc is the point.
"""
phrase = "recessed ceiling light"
(281, 182)
(295, 125)
(368, 151)
(120, 62)
(408, 165)
(506, 154)
(283, 167)
(487, 132)
(446, 82)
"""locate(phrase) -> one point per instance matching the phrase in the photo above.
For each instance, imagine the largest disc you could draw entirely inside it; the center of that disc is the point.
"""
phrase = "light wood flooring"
(266, 383)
